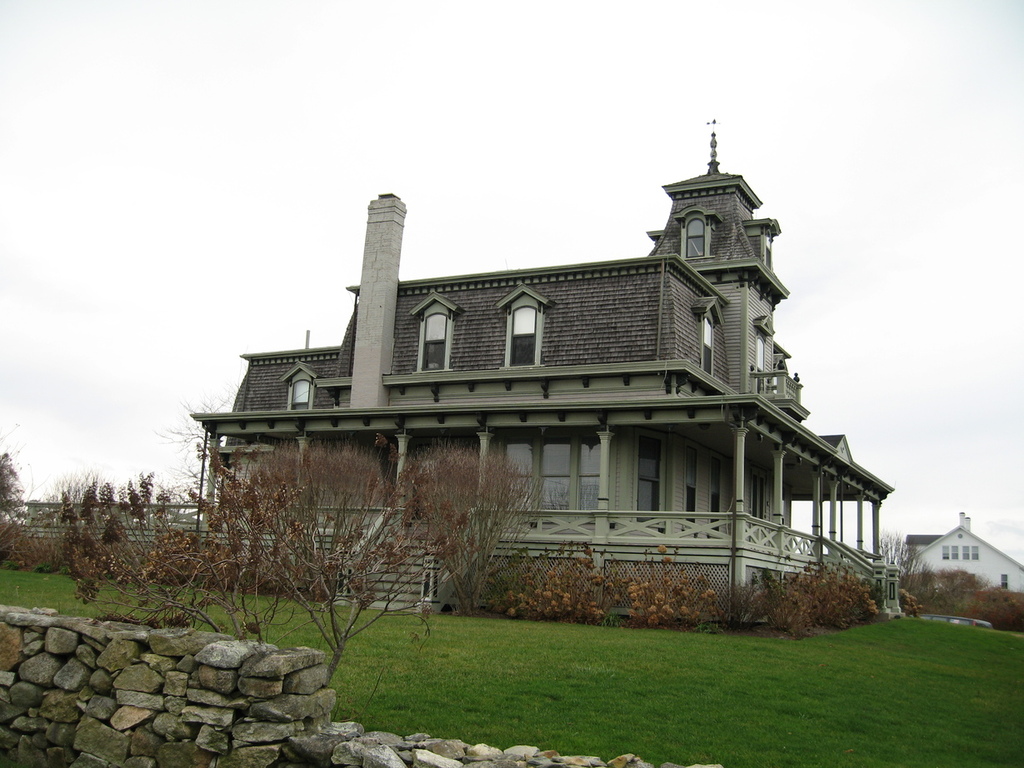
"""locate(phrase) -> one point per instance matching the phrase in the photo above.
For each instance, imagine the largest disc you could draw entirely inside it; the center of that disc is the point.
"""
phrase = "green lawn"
(906, 693)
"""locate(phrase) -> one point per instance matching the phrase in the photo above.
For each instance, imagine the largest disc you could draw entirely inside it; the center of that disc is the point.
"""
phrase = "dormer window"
(437, 318)
(301, 387)
(695, 238)
(301, 394)
(523, 348)
(435, 342)
(525, 328)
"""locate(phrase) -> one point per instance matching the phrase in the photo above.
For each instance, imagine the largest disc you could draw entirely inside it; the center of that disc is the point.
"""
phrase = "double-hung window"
(437, 320)
(696, 240)
(648, 485)
(435, 342)
(568, 467)
(524, 334)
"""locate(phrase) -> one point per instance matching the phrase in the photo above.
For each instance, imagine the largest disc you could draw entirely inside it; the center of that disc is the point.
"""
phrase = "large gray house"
(650, 395)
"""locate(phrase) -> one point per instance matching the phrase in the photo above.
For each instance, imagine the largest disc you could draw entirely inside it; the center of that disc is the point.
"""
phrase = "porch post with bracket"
(876, 515)
(601, 528)
(485, 436)
(860, 521)
(833, 501)
(778, 455)
(739, 471)
(403, 449)
(604, 481)
(816, 512)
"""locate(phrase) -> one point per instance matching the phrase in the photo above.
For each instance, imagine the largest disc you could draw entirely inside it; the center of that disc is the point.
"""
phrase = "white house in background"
(960, 549)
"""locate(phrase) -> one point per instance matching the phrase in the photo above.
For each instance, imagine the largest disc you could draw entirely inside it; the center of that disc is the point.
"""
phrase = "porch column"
(403, 448)
(816, 512)
(739, 467)
(739, 458)
(833, 500)
(485, 436)
(604, 481)
(860, 521)
(876, 509)
(778, 454)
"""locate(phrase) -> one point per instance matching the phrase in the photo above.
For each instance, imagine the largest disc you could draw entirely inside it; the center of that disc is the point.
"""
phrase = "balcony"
(781, 389)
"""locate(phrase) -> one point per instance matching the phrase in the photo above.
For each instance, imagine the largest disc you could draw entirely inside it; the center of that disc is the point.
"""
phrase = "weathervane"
(713, 165)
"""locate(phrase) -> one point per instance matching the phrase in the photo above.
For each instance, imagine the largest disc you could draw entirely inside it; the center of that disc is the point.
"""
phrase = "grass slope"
(906, 693)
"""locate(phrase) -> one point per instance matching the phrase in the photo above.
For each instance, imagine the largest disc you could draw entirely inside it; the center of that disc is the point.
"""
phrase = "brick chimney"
(378, 296)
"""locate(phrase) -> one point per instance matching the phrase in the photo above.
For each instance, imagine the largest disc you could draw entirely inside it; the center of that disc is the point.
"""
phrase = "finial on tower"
(713, 165)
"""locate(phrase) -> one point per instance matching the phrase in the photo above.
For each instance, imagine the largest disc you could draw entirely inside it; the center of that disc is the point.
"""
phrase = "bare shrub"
(947, 591)
(1003, 608)
(470, 504)
(318, 532)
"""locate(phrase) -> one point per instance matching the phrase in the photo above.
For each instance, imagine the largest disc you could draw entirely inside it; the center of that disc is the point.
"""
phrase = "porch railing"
(691, 531)
(685, 531)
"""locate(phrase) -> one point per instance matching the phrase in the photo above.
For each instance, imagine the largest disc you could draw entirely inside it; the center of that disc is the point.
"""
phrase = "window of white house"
(301, 395)
(568, 467)
(648, 494)
(707, 343)
(435, 342)
(695, 238)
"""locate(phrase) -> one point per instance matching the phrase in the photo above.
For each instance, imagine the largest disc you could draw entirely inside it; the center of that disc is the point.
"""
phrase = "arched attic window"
(301, 381)
(524, 332)
(695, 228)
(437, 319)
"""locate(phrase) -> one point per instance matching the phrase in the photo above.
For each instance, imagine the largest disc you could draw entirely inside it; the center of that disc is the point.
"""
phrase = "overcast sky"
(183, 182)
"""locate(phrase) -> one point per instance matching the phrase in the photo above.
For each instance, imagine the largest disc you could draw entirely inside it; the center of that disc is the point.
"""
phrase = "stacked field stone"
(90, 694)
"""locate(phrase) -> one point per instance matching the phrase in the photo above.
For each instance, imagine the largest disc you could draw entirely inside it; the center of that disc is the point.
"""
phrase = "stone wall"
(90, 694)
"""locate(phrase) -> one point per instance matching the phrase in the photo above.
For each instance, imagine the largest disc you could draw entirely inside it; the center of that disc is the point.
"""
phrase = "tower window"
(695, 239)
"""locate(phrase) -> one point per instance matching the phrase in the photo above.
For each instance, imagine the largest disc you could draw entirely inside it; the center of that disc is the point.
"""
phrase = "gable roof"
(930, 541)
